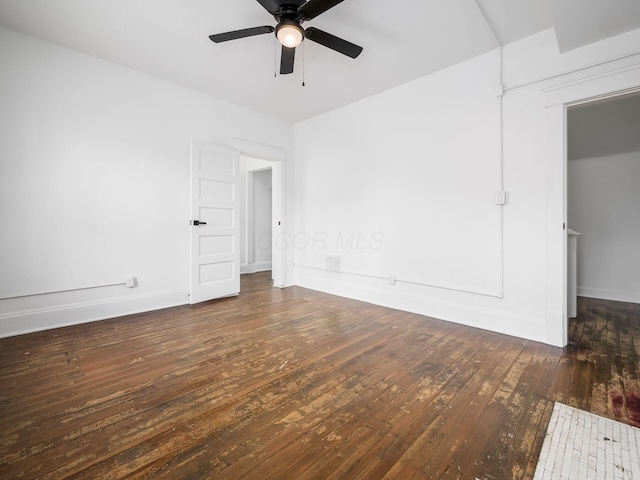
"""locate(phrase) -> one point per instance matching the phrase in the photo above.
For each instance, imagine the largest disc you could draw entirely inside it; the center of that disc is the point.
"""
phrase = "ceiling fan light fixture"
(290, 34)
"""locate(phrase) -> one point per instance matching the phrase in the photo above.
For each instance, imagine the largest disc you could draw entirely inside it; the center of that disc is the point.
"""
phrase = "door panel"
(215, 242)
(223, 217)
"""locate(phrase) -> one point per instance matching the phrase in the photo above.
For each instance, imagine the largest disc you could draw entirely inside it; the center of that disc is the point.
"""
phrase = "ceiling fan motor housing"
(289, 11)
(289, 16)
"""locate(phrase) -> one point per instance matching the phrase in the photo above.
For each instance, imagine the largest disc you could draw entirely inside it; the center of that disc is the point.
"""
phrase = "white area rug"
(581, 446)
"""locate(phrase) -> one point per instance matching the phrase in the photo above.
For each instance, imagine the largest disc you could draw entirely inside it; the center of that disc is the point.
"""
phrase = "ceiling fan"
(290, 14)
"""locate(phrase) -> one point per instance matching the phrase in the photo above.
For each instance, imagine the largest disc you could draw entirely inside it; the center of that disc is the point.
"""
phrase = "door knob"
(198, 222)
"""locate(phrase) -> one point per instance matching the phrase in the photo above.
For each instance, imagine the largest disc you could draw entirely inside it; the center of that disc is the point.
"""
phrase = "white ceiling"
(402, 41)
(604, 128)
(579, 22)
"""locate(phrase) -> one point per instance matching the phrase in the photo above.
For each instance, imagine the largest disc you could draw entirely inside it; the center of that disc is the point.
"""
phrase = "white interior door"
(215, 228)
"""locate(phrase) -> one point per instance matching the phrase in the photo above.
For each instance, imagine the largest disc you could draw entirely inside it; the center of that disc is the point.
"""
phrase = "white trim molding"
(258, 150)
(609, 294)
(417, 299)
(255, 267)
(606, 85)
(34, 320)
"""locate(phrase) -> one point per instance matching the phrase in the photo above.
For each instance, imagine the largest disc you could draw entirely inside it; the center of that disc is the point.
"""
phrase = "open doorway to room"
(257, 216)
(559, 100)
(603, 206)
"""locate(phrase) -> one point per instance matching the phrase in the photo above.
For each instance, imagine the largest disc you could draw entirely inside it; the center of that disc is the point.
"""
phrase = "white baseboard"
(28, 321)
(255, 267)
(608, 294)
(484, 317)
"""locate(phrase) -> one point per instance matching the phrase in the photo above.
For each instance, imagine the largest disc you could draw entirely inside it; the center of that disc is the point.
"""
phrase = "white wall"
(385, 173)
(413, 171)
(94, 182)
(604, 205)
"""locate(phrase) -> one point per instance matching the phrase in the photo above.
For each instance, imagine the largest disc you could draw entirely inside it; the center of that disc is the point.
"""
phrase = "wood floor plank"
(394, 421)
(519, 437)
(259, 400)
(444, 435)
(489, 441)
(188, 404)
(293, 383)
(383, 384)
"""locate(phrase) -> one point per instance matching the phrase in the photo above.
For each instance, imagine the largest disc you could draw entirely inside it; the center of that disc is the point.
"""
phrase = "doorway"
(559, 99)
(603, 201)
(262, 216)
(276, 158)
(558, 115)
(257, 219)
(603, 198)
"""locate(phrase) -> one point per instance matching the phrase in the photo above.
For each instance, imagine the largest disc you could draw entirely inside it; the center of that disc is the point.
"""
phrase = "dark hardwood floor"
(605, 352)
(296, 384)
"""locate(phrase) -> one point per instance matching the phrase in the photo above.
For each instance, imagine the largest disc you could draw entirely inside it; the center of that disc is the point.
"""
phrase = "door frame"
(558, 99)
(279, 211)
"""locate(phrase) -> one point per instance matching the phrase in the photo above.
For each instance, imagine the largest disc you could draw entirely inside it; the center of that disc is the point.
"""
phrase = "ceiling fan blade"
(335, 43)
(246, 32)
(269, 5)
(286, 60)
(313, 8)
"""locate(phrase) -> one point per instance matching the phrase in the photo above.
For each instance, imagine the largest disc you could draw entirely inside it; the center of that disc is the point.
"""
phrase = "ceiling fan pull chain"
(303, 64)
(275, 57)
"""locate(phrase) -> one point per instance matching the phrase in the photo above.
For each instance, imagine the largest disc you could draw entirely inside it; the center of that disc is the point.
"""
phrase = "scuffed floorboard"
(297, 384)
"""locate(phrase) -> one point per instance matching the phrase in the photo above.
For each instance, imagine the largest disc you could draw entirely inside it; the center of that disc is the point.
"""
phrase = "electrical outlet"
(130, 282)
(392, 279)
